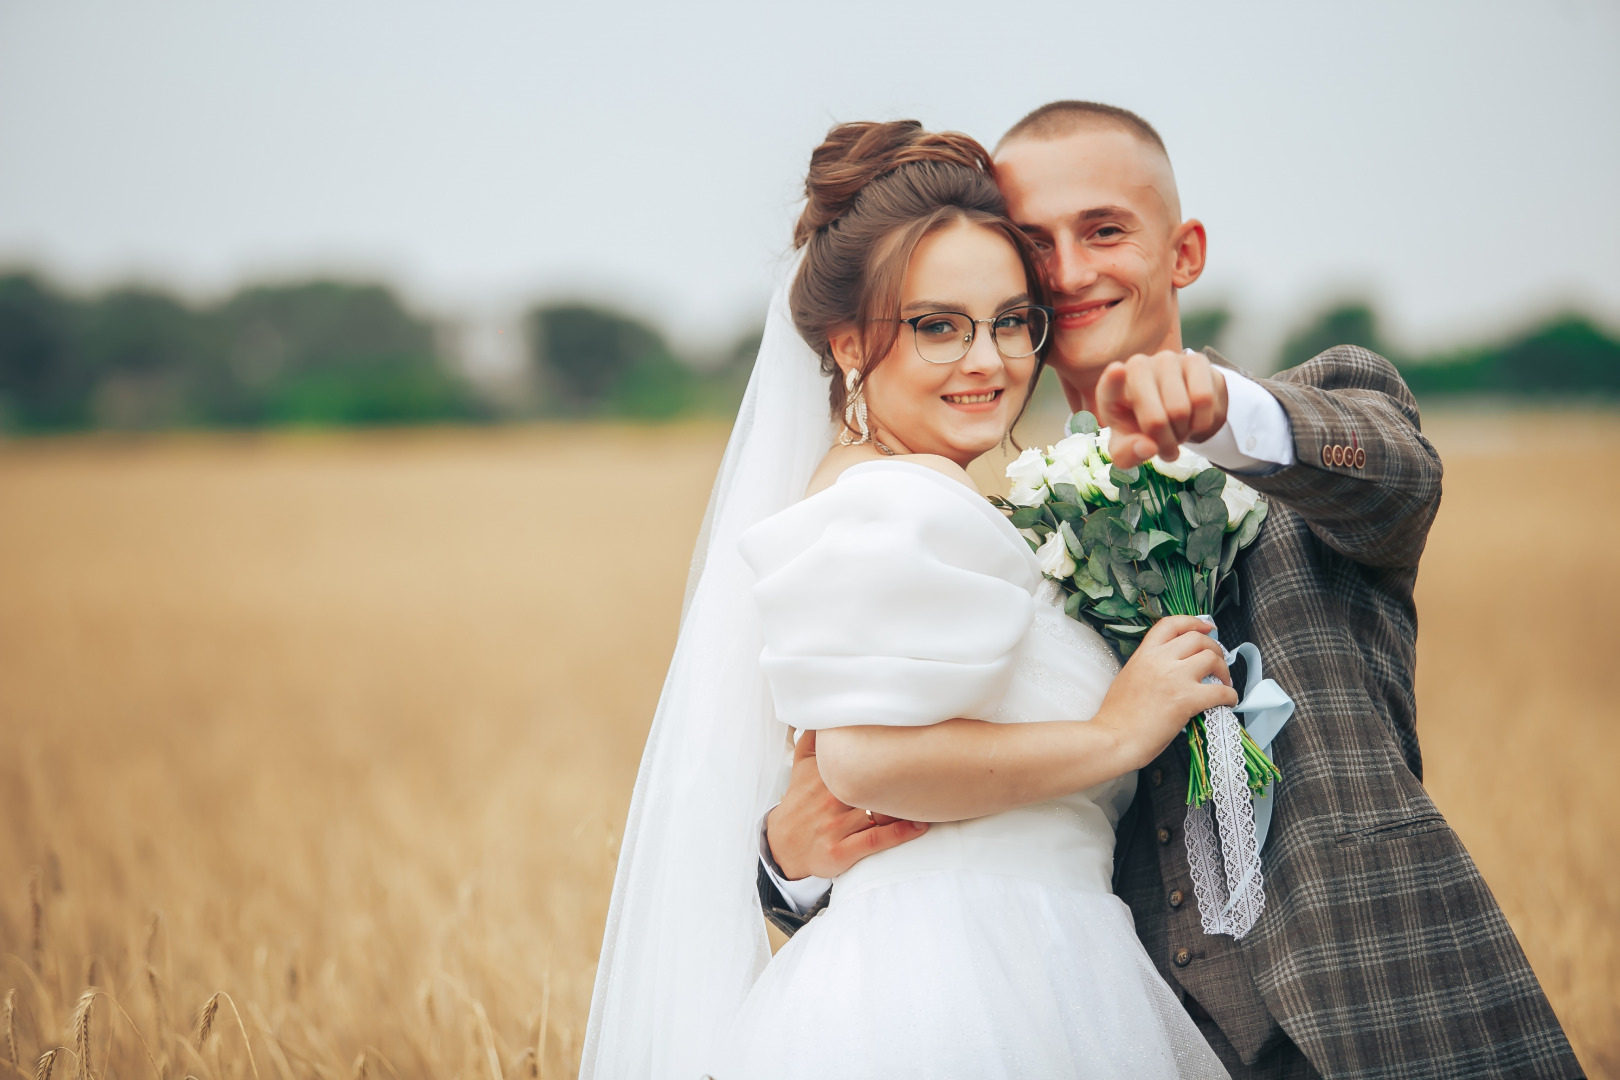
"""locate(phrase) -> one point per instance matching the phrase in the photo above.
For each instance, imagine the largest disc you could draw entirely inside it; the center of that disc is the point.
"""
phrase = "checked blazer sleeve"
(1366, 482)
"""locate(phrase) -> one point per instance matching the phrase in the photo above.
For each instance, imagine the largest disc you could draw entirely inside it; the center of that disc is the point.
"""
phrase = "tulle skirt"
(962, 973)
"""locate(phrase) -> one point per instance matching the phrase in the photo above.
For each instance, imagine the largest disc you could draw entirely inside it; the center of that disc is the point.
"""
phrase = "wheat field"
(314, 748)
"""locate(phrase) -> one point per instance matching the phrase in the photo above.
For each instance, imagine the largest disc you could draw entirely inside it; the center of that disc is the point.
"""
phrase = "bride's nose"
(982, 356)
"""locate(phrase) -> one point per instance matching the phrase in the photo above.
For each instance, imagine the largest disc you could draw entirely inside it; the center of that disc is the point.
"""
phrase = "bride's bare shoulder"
(840, 458)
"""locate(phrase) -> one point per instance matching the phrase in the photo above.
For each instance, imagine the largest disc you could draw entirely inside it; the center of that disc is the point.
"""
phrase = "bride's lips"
(1075, 316)
(976, 401)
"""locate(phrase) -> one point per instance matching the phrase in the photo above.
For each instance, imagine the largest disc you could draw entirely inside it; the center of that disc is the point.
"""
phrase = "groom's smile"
(1100, 203)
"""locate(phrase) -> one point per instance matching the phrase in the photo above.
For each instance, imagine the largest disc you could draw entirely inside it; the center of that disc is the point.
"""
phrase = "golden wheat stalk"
(205, 1026)
(11, 1027)
(205, 1022)
(36, 913)
(47, 1062)
(360, 1070)
(80, 1030)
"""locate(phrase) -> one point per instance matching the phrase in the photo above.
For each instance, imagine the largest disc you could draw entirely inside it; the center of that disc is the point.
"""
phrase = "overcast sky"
(1457, 162)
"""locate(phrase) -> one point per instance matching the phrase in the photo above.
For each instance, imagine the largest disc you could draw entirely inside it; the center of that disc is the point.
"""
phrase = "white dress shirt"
(1256, 440)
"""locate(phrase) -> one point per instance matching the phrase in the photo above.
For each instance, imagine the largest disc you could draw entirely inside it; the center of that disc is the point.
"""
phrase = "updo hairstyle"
(873, 192)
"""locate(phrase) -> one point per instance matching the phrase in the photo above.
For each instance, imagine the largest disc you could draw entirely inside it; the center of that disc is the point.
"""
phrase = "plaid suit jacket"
(1381, 951)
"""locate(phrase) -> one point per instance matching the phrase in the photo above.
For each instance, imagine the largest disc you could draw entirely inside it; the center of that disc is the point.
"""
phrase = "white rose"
(1239, 499)
(1102, 481)
(1103, 438)
(1056, 562)
(1026, 496)
(1186, 466)
(1028, 471)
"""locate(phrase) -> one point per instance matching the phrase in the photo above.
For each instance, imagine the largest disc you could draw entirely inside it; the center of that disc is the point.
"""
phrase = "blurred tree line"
(1566, 356)
(320, 353)
(336, 353)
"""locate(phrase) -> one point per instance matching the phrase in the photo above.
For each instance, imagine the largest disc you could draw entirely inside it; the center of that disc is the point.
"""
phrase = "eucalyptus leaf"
(1071, 605)
(1204, 544)
(1068, 512)
(1174, 523)
(1200, 590)
(1139, 546)
(1041, 529)
(1124, 580)
(1095, 529)
(1124, 477)
(1132, 513)
(1189, 507)
(1066, 493)
(1126, 628)
(1229, 550)
(1160, 543)
(1209, 482)
(1049, 517)
(1115, 608)
(1091, 587)
(1025, 517)
(1126, 647)
(1071, 541)
(1249, 527)
(1082, 423)
(1151, 582)
(1118, 534)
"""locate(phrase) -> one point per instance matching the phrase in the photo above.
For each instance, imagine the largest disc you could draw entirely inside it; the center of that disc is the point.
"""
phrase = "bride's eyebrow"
(928, 307)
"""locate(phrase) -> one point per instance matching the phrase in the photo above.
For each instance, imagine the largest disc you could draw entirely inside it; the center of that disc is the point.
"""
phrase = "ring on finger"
(870, 820)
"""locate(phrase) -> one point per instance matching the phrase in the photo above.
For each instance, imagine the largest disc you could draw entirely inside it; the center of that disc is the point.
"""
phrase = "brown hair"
(873, 192)
(1057, 118)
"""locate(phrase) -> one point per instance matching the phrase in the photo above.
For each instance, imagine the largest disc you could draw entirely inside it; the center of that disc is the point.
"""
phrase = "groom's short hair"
(1058, 118)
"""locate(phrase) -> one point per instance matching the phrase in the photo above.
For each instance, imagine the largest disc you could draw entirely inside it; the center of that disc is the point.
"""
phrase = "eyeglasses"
(944, 337)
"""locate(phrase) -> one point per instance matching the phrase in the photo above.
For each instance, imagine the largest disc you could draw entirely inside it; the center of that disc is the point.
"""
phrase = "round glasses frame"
(1035, 344)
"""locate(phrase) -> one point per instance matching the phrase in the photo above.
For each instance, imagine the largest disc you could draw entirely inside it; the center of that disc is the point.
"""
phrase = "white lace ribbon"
(1227, 881)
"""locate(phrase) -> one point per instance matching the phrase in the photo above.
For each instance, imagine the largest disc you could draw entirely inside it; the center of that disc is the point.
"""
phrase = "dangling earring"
(854, 411)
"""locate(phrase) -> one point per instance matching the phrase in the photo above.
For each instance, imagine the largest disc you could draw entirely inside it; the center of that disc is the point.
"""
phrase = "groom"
(1381, 951)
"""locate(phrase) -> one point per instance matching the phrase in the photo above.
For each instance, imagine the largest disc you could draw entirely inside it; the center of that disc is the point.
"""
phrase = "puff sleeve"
(897, 596)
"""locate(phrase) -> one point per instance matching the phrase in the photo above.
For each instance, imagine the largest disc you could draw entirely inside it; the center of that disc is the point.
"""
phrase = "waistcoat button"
(1176, 898)
(1183, 957)
(1164, 835)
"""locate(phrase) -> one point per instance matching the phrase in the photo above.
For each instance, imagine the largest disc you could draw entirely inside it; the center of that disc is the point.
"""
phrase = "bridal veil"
(685, 939)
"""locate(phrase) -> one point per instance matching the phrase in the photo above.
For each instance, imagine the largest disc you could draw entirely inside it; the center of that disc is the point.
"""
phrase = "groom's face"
(1101, 205)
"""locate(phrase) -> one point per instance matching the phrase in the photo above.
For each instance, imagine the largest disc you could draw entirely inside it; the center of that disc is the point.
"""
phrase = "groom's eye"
(1109, 232)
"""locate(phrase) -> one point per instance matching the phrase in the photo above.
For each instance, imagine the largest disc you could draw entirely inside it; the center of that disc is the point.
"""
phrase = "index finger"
(1173, 626)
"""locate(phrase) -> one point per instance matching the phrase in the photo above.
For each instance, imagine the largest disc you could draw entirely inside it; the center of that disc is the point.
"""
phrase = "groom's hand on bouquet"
(1153, 404)
(1162, 687)
(811, 833)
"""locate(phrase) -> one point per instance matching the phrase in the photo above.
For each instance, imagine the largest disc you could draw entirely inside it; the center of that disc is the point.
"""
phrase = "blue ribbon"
(1265, 708)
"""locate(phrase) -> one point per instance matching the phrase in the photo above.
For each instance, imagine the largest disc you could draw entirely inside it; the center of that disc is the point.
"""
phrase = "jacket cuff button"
(1183, 957)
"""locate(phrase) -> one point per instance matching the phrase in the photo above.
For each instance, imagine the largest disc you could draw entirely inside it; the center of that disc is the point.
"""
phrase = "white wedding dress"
(985, 948)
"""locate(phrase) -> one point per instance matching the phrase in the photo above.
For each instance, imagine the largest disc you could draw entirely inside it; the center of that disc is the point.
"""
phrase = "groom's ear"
(1189, 247)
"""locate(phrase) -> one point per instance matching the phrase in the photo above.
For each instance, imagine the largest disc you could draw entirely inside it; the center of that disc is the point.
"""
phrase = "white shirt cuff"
(801, 895)
(1257, 438)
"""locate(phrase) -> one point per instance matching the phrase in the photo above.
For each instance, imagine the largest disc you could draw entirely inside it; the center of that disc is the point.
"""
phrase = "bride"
(858, 589)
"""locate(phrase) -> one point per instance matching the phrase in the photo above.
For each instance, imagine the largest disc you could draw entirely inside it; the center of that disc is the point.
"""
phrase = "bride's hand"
(812, 834)
(1161, 687)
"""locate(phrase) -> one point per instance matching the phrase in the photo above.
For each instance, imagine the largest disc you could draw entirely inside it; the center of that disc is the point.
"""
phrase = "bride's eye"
(1012, 320)
(937, 327)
